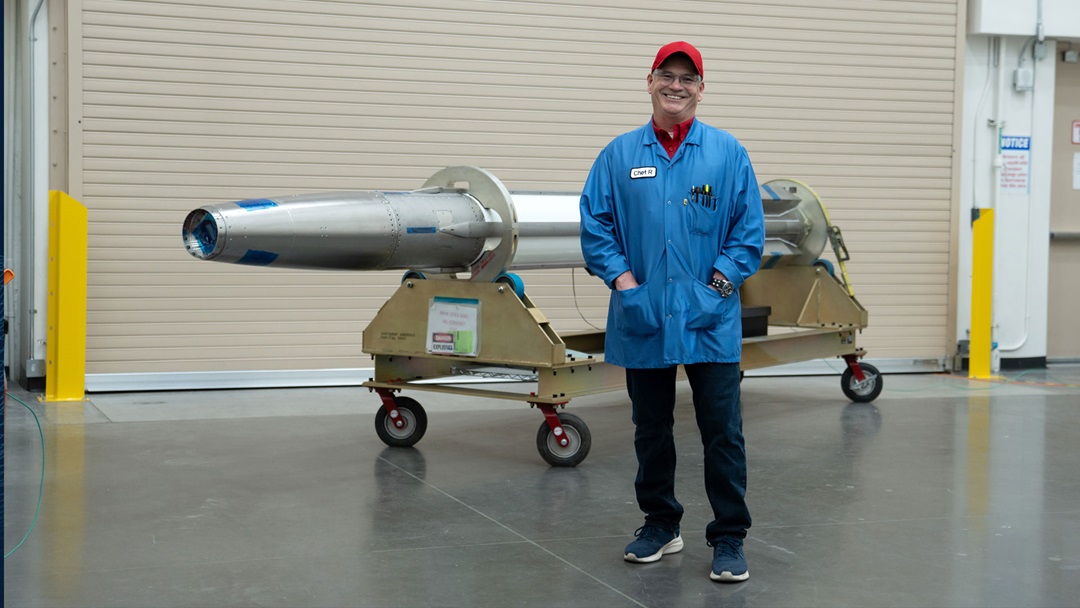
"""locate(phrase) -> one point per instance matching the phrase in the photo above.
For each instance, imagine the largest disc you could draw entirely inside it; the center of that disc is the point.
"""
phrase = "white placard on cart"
(453, 327)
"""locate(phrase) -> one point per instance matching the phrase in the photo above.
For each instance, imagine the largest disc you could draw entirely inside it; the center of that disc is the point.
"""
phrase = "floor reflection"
(1001, 453)
(63, 516)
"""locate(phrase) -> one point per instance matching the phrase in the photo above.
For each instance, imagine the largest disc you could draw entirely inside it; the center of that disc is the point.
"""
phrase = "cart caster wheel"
(558, 456)
(415, 423)
(868, 390)
(513, 281)
(827, 265)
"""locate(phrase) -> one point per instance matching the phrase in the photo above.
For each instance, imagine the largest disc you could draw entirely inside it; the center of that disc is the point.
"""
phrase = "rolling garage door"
(185, 102)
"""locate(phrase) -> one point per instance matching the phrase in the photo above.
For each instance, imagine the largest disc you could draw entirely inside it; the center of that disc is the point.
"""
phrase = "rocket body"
(342, 231)
(438, 230)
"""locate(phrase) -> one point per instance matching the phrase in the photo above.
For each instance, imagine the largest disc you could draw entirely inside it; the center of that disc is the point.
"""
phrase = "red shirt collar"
(671, 144)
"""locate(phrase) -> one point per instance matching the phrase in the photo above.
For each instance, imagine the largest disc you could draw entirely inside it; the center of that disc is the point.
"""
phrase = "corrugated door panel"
(187, 102)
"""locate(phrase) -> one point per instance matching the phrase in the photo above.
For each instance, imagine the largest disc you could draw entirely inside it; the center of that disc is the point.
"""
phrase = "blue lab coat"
(638, 214)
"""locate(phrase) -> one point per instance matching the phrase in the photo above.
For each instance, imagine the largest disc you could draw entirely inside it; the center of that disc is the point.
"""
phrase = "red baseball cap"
(679, 47)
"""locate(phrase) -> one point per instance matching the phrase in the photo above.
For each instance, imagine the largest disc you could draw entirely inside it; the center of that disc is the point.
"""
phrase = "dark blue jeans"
(715, 388)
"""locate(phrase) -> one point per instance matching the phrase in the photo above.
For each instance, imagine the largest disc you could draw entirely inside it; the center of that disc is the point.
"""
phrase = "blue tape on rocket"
(771, 192)
(420, 230)
(769, 263)
(254, 257)
(256, 203)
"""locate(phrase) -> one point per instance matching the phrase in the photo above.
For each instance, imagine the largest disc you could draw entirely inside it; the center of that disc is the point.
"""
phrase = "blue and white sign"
(1015, 142)
(1016, 163)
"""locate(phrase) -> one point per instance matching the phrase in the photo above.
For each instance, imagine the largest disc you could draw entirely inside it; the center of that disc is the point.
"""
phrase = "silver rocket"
(445, 228)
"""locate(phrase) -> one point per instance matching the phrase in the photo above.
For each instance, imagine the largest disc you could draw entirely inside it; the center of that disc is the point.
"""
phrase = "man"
(671, 220)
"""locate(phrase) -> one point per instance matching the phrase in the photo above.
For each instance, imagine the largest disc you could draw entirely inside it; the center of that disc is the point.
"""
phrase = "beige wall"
(183, 103)
(1063, 338)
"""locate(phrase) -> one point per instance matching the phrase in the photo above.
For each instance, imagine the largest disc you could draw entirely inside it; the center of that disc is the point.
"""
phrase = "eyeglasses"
(686, 80)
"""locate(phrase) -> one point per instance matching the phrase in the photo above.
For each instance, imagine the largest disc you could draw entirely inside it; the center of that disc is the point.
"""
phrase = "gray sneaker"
(653, 542)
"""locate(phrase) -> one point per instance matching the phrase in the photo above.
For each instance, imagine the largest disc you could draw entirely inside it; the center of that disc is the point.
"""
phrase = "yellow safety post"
(65, 365)
(982, 292)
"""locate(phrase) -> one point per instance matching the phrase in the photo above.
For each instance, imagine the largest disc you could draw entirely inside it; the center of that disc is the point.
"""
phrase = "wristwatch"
(724, 286)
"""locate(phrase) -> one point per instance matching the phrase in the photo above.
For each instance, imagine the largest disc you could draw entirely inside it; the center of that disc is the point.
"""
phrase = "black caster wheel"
(413, 430)
(572, 455)
(865, 391)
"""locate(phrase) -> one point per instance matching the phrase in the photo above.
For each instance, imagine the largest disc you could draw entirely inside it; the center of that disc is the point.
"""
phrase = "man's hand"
(625, 281)
(719, 276)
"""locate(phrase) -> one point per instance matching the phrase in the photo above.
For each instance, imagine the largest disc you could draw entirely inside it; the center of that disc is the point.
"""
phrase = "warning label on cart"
(453, 327)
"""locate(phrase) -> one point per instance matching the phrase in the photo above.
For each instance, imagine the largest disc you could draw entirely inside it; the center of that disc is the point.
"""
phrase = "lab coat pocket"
(634, 312)
(703, 220)
(707, 308)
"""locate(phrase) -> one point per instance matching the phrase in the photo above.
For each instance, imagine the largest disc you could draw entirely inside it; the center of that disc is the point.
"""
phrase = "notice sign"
(452, 327)
(1016, 163)
(1076, 133)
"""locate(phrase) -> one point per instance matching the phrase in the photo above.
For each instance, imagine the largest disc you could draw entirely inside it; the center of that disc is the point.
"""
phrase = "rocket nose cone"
(201, 234)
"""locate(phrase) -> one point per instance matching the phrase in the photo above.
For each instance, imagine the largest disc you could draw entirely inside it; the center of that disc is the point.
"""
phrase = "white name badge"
(640, 172)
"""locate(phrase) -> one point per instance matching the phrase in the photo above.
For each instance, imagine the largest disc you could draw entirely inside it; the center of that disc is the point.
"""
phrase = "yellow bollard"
(65, 365)
(982, 293)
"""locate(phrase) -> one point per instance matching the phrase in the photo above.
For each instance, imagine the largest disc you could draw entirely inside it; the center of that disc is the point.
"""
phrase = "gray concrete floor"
(943, 492)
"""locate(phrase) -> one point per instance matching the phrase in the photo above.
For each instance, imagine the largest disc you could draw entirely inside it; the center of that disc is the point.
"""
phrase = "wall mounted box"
(1061, 18)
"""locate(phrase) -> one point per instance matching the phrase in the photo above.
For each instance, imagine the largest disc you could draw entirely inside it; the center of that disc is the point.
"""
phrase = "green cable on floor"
(41, 486)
